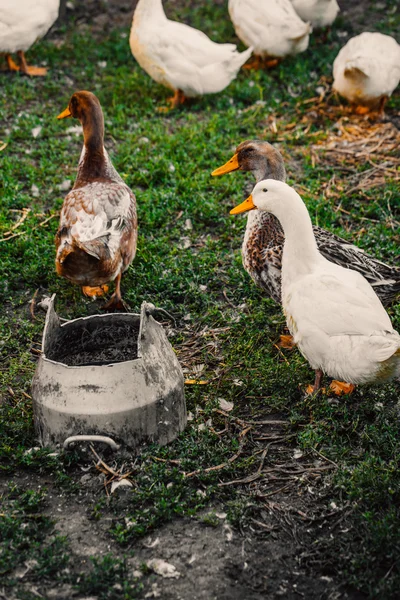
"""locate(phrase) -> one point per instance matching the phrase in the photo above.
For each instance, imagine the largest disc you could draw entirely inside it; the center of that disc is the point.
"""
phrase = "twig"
(103, 464)
(325, 458)
(164, 460)
(225, 464)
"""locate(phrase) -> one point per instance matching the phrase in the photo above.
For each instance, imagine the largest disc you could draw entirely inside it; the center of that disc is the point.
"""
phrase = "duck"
(320, 13)
(263, 242)
(367, 71)
(180, 57)
(97, 235)
(272, 28)
(334, 315)
(22, 22)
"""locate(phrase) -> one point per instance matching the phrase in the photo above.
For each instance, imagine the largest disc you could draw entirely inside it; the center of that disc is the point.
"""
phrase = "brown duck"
(97, 235)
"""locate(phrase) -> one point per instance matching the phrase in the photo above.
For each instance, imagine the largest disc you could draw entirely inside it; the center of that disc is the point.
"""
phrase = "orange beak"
(66, 113)
(231, 165)
(248, 204)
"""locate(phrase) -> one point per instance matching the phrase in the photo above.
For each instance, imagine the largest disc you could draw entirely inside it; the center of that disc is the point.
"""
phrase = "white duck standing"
(334, 315)
(320, 13)
(272, 28)
(22, 22)
(367, 70)
(181, 57)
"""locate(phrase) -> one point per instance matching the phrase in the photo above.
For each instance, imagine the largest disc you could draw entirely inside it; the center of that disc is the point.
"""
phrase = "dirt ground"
(271, 557)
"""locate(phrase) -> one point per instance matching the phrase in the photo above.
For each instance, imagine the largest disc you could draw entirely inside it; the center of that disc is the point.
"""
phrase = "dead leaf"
(225, 405)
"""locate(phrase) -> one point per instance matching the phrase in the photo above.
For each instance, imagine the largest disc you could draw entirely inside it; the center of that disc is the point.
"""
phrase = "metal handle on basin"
(91, 438)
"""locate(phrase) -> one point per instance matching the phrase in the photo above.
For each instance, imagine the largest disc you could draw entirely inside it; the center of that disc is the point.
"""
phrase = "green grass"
(167, 160)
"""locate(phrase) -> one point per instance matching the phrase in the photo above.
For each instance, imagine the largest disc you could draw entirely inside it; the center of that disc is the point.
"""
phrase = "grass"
(167, 161)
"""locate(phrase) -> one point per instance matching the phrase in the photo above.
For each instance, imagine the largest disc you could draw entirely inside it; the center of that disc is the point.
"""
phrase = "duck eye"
(265, 190)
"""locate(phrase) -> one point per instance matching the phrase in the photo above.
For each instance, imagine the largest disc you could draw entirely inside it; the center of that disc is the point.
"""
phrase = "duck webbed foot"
(12, 66)
(287, 342)
(95, 291)
(340, 388)
(256, 62)
(116, 302)
(30, 70)
(177, 99)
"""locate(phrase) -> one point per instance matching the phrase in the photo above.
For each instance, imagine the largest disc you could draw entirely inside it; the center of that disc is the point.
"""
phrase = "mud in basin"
(97, 341)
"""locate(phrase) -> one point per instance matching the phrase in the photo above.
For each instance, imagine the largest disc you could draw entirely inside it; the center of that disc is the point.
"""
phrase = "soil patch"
(96, 341)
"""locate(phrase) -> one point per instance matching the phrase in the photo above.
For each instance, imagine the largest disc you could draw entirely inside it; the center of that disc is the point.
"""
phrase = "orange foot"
(269, 64)
(35, 71)
(310, 390)
(340, 387)
(94, 292)
(255, 63)
(177, 99)
(12, 66)
(362, 110)
(286, 341)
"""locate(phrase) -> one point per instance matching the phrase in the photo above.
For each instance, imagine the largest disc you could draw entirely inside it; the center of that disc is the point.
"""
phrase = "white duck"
(320, 13)
(272, 28)
(22, 22)
(334, 315)
(180, 57)
(367, 70)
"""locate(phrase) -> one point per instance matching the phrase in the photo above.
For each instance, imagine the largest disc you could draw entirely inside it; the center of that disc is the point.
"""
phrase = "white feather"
(272, 28)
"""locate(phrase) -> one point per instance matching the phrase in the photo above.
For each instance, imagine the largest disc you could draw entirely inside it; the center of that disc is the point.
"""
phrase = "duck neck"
(149, 8)
(267, 168)
(93, 163)
(270, 168)
(300, 251)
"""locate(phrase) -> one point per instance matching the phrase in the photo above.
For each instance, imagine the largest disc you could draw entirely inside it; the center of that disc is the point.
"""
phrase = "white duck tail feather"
(383, 345)
(210, 79)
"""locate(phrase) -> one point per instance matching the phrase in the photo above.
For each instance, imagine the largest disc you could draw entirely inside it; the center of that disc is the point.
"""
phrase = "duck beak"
(231, 165)
(66, 113)
(248, 204)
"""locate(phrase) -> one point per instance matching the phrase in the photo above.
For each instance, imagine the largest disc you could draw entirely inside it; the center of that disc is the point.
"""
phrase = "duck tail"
(306, 31)
(217, 76)
(238, 60)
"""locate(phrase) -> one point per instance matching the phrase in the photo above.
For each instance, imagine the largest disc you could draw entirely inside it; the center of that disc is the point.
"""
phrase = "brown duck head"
(86, 107)
(261, 158)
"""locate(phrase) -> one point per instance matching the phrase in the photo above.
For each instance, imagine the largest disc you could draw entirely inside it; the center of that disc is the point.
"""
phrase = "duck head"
(86, 107)
(258, 157)
(267, 196)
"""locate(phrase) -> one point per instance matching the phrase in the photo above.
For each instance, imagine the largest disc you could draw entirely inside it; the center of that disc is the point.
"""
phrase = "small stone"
(102, 64)
(65, 185)
(185, 243)
(85, 478)
(36, 131)
(171, 168)
(34, 190)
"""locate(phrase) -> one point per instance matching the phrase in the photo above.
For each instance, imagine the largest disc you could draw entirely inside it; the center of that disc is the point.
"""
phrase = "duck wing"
(336, 304)
(96, 217)
(385, 279)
